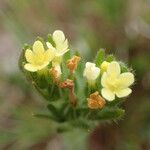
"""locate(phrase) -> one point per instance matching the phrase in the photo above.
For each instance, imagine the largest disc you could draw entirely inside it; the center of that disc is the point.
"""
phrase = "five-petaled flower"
(91, 72)
(38, 58)
(60, 48)
(116, 83)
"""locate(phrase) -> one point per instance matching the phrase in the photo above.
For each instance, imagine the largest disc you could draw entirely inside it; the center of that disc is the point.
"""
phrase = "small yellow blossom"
(104, 66)
(61, 46)
(116, 83)
(91, 72)
(38, 58)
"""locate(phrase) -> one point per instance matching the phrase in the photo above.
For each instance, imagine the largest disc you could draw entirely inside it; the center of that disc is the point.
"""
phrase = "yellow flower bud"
(104, 66)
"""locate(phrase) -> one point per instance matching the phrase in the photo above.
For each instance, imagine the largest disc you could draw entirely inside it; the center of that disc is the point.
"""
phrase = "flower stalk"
(68, 84)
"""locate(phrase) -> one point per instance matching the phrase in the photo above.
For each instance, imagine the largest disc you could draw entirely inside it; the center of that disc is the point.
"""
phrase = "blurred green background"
(121, 27)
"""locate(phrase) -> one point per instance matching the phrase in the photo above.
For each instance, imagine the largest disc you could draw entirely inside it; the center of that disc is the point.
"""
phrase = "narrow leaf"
(100, 57)
(110, 113)
(110, 58)
(50, 40)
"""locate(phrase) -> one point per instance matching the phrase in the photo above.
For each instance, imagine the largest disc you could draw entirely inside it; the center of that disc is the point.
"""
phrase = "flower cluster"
(113, 82)
(61, 74)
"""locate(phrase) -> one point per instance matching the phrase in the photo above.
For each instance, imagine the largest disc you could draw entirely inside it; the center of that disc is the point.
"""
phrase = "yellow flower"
(38, 58)
(61, 45)
(104, 66)
(116, 83)
(91, 72)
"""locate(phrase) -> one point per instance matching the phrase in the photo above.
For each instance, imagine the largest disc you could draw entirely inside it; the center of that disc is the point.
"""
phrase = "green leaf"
(48, 78)
(42, 92)
(55, 113)
(50, 40)
(110, 113)
(52, 109)
(124, 67)
(65, 71)
(42, 82)
(99, 57)
(82, 111)
(110, 58)
(43, 116)
(80, 123)
(22, 59)
(67, 56)
(53, 91)
(63, 107)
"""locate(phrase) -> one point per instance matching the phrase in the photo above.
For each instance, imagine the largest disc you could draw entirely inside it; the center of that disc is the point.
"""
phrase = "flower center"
(39, 59)
(113, 84)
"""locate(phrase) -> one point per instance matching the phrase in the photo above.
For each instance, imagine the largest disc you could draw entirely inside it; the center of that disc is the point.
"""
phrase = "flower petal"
(103, 79)
(126, 79)
(38, 47)
(107, 94)
(49, 45)
(89, 65)
(123, 93)
(58, 37)
(61, 53)
(62, 46)
(91, 72)
(30, 67)
(65, 45)
(96, 72)
(104, 66)
(29, 55)
(49, 55)
(42, 66)
(113, 69)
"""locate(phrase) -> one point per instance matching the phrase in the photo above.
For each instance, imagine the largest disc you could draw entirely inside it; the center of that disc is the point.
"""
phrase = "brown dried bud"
(96, 101)
(55, 73)
(72, 63)
(70, 85)
(67, 84)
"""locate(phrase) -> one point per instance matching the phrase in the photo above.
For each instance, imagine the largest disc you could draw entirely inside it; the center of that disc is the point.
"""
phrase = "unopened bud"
(91, 73)
(104, 66)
